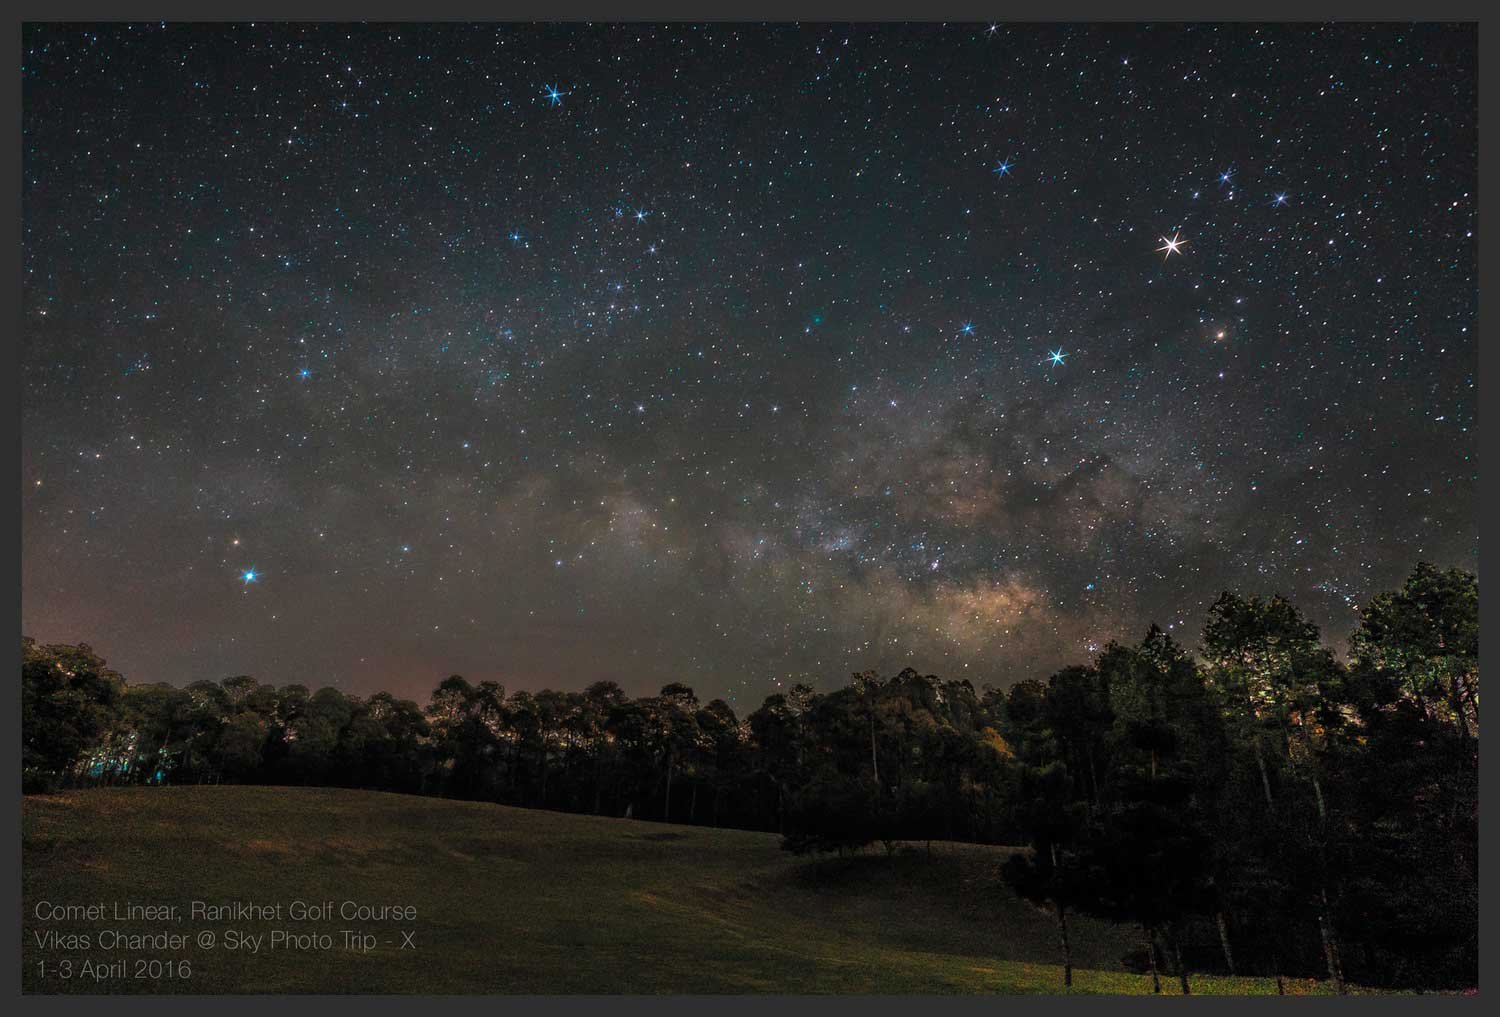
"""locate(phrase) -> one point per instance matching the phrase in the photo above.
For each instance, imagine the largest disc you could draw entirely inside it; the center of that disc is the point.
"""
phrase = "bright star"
(1173, 245)
(304, 373)
(1280, 199)
(1055, 358)
(640, 215)
(1002, 168)
(554, 95)
(966, 328)
(1226, 176)
(249, 576)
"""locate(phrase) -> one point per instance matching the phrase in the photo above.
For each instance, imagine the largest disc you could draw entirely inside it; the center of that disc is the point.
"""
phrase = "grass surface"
(519, 901)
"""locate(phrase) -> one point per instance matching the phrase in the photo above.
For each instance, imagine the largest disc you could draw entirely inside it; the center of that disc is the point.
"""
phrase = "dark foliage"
(1261, 808)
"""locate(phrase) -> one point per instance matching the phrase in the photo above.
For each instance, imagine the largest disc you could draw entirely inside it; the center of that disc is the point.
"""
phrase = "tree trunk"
(1151, 960)
(543, 801)
(1176, 949)
(1276, 966)
(1067, 948)
(1224, 940)
(1265, 780)
(1330, 946)
(1088, 751)
(1459, 708)
(666, 804)
(1470, 695)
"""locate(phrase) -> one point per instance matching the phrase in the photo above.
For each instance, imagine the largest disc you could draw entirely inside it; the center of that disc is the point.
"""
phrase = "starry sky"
(730, 354)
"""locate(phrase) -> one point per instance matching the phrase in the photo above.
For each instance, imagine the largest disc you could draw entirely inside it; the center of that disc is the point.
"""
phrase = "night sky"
(733, 355)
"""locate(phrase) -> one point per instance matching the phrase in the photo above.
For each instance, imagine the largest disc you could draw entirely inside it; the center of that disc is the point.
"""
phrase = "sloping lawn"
(520, 901)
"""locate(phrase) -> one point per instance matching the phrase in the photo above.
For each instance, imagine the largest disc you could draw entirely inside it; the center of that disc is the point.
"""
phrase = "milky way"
(733, 355)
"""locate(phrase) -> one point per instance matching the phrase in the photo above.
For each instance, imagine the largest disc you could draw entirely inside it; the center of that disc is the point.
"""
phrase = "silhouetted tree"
(1264, 804)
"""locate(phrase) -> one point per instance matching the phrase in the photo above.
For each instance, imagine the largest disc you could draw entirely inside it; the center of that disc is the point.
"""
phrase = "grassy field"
(517, 901)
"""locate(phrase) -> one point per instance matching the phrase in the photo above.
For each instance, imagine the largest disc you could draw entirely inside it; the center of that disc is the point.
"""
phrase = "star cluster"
(734, 355)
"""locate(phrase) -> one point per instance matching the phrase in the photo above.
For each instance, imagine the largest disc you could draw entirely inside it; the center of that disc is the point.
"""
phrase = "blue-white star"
(1055, 358)
(967, 328)
(250, 576)
(554, 95)
(1002, 168)
(1279, 200)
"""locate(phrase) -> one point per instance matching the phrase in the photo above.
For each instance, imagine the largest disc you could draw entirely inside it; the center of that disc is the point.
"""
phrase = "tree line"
(1260, 806)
